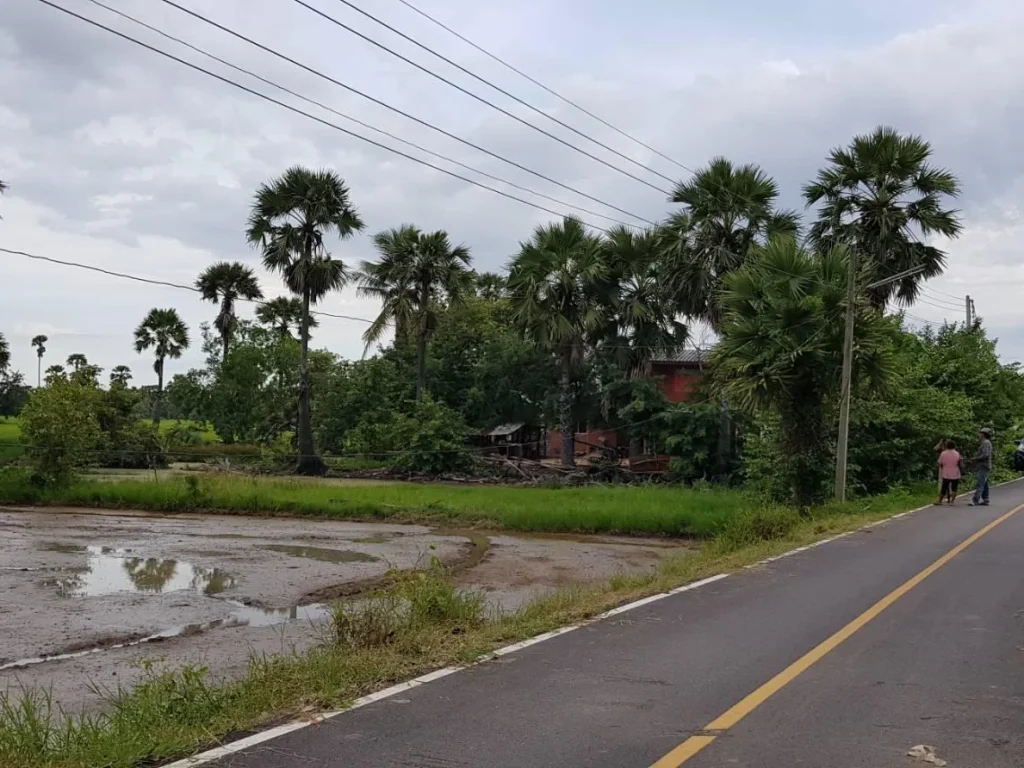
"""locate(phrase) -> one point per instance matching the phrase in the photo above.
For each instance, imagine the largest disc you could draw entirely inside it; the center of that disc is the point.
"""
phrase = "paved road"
(942, 664)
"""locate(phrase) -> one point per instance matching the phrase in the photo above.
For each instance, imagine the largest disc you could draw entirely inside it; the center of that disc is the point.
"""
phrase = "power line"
(154, 281)
(476, 96)
(342, 115)
(539, 84)
(924, 300)
(320, 120)
(498, 88)
(356, 91)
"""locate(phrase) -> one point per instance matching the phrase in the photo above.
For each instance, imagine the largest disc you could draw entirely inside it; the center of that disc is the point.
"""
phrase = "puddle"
(324, 555)
(110, 571)
(242, 616)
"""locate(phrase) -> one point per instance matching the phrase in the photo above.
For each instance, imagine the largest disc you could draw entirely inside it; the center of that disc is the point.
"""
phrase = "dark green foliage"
(429, 439)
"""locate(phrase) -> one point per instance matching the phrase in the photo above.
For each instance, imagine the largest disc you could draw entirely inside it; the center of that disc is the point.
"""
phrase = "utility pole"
(968, 305)
(842, 445)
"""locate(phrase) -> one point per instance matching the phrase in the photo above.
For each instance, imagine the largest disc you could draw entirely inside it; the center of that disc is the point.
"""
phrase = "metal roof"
(691, 356)
(503, 430)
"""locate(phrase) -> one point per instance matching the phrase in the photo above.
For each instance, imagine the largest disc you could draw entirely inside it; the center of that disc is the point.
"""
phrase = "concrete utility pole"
(969, 306)
(842, 445)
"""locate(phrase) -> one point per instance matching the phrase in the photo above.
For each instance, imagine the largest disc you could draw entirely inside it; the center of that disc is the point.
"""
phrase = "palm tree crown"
(289, 220)
(163, 331)
(415, 271)
(39, 342)
(727, 210)
(226, 282)
(283, 313)
(873, 195)
(120, 375)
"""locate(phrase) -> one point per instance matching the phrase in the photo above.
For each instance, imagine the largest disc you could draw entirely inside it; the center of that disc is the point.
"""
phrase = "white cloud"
(122, 160)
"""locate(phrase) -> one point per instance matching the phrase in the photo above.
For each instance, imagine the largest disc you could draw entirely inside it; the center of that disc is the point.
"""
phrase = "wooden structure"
(513, 440)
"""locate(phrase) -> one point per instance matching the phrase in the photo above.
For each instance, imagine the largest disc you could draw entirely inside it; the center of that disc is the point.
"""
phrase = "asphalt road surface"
(845, 655)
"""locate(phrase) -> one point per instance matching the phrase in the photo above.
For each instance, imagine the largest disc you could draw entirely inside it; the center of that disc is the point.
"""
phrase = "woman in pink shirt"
(950, 470)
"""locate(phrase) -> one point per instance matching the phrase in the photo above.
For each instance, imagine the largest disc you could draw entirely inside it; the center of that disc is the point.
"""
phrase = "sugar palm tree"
(5, 353)
(120, 375)
(39, 342)
(77, 361)
(415, 271)
(727, 210)
(227, 282)
(781, 349)
(491, 285)
(645, 311)
(283, 313)
(875, 195)
(555, 286)
(166, 334)
(290, 218)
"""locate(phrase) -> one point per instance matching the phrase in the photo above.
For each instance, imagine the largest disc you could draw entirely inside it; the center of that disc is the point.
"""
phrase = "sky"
(122, 159)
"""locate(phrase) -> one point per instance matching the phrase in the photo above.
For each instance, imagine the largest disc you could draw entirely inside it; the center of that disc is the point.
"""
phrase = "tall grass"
(651, 510)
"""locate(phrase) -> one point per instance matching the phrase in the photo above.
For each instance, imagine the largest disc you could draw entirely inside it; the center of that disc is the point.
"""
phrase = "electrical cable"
(308, 100)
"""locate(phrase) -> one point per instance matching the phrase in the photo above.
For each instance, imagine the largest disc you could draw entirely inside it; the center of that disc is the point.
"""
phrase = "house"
(678, 374)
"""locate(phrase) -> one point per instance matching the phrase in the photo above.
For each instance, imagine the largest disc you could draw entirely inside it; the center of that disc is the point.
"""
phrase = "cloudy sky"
(122, 159)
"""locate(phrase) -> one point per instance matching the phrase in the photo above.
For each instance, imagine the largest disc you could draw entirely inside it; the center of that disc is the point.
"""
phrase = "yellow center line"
(752, 701)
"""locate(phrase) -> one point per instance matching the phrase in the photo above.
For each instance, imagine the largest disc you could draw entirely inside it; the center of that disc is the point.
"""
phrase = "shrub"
(60, 426)
(768, 523)
(431, 440)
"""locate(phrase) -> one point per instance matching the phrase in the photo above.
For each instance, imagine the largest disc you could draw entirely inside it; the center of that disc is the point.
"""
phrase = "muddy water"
(84, 594)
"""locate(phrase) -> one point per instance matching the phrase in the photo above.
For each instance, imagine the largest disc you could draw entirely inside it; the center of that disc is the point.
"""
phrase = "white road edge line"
(273, 733)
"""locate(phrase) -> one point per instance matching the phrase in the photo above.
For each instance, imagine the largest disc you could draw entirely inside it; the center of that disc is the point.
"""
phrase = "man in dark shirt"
(982, 467)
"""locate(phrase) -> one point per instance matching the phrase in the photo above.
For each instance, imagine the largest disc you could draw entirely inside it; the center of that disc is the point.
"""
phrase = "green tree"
(556, 285)
(226, 282)
(781, 350)
(120, 375)
(39, 343)
(873, 195)
(5, 353)
(166, 334)
(54, 373)
(290, 218)
(59, 424)
(13, 393)
(282, 314)
(416, 272)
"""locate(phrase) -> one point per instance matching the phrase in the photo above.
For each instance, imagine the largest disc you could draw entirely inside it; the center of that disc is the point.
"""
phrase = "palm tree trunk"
(39, 371)
(158, 400)
(225, 337)
(309, 463)
(421, 344)
(565, 412)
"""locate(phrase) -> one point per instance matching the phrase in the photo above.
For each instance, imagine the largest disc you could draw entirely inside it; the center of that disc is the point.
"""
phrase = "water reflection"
(242, 616)
(110, 571)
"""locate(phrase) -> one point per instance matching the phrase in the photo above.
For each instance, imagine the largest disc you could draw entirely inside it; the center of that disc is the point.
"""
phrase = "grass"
(10, 436)
(421, 624)
(649, 509)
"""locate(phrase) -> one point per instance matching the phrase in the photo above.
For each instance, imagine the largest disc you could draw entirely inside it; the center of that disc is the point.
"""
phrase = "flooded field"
(86, 596)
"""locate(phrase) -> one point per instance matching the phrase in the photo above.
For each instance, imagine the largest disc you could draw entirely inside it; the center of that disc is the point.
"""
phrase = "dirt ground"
(86, 596)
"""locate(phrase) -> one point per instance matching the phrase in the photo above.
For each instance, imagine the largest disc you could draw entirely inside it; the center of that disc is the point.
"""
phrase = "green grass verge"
(178, 712)
(651, 510)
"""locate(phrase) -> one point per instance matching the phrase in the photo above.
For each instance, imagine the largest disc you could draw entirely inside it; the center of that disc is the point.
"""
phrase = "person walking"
(950, 472)
(982, 467)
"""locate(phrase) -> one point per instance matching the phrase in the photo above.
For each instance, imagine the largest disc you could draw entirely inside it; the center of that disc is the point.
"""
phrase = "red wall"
(678, 384)
(611, 439)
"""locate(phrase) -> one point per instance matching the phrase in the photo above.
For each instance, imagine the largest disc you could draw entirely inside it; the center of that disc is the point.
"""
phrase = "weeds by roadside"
(421, 623)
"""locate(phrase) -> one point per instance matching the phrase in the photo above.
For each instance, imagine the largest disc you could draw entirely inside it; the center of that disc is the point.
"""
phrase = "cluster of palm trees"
(570, 289)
